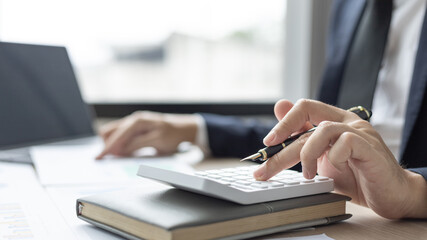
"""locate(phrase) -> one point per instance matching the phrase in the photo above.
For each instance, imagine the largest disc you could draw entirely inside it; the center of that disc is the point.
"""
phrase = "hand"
(347, 149)
(147, 129)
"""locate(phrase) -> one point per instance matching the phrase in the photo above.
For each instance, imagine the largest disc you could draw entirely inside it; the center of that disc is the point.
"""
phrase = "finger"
(115, 144)
(281, 108)
(350, 145)
(319, 142)
(102, 154)
(145, 140)
(304, 111)
(286, 158)
(106, 130)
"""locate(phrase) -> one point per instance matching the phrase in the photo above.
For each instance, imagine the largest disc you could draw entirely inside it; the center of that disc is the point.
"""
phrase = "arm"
(227, 136)
(164, 132)
(234, 137)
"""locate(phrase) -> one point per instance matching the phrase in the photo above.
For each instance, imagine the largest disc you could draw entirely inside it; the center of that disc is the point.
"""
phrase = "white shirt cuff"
(202, 140)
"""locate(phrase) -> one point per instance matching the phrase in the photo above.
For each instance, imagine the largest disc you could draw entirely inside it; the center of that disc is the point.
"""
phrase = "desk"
(55, 206)
(365, 224)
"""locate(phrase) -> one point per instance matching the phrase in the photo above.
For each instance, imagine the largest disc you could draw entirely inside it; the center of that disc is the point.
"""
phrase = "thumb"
(281, 108)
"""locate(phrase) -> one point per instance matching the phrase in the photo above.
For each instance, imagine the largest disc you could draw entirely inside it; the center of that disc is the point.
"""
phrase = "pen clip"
(362, 112)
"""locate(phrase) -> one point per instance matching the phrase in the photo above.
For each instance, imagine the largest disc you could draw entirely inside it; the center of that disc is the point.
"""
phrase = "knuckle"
(302, 140)
(137, 121)
(137, 113)
(303, 103)
(326, 124)
(325, 127)
(347, 138)
(133, 122)
(282, 125)
(360, 124)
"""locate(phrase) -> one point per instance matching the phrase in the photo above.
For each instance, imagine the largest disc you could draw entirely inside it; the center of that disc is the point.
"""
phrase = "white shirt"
(394, 78)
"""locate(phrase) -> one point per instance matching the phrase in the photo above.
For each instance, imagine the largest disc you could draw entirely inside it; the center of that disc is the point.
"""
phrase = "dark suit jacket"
(231, 137)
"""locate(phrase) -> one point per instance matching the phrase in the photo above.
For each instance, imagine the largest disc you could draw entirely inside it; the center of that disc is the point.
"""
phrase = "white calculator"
(237, 184)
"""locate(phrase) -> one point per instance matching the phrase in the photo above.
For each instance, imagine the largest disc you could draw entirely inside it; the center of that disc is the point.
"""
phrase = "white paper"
(311, 237)
(65, 198)
(26, 211)
(61, 165)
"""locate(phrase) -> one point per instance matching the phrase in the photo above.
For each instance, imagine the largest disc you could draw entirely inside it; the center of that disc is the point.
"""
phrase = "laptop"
(40, 101)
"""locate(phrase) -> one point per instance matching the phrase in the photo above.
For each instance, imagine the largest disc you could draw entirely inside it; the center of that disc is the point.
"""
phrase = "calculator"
(237, 184)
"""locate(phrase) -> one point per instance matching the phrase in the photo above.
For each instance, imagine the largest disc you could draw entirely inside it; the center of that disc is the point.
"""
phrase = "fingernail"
(260, 172)
(270, 137)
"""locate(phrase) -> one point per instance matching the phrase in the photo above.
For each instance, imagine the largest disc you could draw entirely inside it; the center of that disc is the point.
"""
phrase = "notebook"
(40, 100)
(167, 213)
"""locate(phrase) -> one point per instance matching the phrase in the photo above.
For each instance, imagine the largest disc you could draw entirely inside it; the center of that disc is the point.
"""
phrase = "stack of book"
(169, 213)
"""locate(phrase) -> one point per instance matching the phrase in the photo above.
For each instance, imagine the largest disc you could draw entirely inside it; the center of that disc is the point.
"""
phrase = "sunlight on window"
(163, 50)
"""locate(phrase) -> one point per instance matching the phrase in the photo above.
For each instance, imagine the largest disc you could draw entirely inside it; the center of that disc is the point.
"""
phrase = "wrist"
(186, 125)
(417, 194)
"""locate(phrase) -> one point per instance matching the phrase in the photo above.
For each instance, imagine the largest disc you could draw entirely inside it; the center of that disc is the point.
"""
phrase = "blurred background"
(180, 56)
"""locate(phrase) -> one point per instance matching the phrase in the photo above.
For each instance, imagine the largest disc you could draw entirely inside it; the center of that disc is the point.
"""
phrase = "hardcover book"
(164, 212)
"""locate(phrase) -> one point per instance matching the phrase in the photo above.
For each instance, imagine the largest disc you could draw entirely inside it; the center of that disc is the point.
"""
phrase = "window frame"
(305, 45)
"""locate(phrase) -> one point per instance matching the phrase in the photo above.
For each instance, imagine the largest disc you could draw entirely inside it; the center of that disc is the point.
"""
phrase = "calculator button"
(228, 170)
(243, 182)
(307, 180)
(243, 168)
(290, 182)
(215, 176)
(242, 177)
(258, 185)
(200, 173)
(277, 184)
(275, 178)
(242, 172)
(241, 186)
(228, 179)
(223, 182)
(226, 174)
(318, 178)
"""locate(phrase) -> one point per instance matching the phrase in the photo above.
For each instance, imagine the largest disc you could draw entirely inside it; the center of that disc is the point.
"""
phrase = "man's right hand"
(164, 132)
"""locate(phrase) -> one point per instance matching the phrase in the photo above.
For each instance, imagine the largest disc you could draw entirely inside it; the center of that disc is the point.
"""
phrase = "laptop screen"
(40, 100)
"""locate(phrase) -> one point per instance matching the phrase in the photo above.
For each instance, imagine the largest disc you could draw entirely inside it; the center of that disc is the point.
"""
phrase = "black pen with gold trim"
(268, 152)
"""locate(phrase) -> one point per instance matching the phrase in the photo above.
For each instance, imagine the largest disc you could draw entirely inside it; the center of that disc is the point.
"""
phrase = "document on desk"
(310, 237)
(64, 198)
(26, 210)
(62, 165)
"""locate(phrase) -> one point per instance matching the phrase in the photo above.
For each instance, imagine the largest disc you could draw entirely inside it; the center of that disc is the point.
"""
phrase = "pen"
(268, 152)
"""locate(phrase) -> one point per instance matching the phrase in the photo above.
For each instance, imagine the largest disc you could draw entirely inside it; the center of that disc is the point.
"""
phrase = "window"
(134, 51)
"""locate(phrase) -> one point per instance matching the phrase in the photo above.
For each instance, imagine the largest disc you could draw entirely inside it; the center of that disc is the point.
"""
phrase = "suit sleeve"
(421, 171)
(234, 137)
